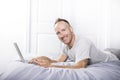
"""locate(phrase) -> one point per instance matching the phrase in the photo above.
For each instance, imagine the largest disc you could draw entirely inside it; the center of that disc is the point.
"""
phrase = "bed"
(24, 71)
(17, 70)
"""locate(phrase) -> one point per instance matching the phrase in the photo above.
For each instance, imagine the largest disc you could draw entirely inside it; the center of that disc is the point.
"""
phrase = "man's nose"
(61, 35)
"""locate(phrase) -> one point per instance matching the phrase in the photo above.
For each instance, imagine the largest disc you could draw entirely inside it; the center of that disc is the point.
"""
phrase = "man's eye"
(63, 29)
(57, 33)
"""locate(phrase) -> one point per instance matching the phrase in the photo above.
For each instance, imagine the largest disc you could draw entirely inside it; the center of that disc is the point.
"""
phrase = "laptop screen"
(19, 52)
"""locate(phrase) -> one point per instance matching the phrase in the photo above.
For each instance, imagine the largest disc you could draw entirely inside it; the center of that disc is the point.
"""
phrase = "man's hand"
(41, 61)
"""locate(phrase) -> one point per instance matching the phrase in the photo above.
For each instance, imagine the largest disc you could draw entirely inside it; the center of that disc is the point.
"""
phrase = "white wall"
(14, 21)
(115, 24)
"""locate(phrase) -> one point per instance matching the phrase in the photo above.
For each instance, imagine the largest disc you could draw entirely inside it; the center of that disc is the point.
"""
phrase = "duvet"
(99, 71)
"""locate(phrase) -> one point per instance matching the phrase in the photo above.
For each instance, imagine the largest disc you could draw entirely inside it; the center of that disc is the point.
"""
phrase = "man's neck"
(72, 42)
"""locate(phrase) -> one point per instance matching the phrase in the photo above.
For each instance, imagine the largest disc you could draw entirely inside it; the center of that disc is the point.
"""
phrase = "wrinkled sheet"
(25, 71)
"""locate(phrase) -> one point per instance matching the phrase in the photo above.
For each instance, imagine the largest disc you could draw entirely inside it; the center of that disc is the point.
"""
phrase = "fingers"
(37, 61)
(43, 64)
(40, 62)
(33, 61)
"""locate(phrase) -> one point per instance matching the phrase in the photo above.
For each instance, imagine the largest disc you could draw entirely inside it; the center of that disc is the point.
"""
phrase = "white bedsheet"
(99, 71)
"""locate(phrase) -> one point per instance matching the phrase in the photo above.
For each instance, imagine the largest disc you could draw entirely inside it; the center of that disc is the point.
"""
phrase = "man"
(77, 49)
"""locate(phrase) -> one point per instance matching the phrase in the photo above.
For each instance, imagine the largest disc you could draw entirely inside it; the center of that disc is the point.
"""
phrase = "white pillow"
(114, 51)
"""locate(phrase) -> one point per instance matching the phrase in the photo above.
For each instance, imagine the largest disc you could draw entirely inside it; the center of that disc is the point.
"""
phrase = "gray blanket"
(99, 71)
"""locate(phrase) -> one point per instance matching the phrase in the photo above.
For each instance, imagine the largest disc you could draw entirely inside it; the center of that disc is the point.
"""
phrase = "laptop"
(19, 53)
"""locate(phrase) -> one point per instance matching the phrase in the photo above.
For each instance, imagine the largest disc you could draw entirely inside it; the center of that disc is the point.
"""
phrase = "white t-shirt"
(83, 48)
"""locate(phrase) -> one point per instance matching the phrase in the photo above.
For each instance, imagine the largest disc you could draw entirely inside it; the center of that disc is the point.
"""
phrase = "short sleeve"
(63, 50)
(83, 50)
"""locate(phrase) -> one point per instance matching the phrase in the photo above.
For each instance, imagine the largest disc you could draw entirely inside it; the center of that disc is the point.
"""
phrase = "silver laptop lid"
(19, 52)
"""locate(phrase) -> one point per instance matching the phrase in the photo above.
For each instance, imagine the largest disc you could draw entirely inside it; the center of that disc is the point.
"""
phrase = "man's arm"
(45, 61)
(79, 64)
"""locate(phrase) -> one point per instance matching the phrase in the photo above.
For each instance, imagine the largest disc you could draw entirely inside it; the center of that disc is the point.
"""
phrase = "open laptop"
(19, 53)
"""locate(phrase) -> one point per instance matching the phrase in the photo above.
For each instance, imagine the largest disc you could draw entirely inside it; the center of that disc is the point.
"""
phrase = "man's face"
(64, 32)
